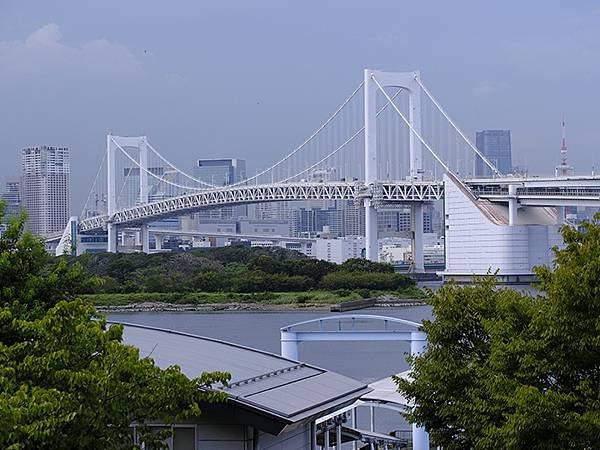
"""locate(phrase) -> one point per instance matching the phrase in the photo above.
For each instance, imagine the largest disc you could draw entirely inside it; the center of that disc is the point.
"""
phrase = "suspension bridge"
(389, 144)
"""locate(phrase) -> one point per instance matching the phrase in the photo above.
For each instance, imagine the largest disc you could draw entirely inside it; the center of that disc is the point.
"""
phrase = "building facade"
(479, 239)
(312, 221)
(12, 198)
(496, 146)
(45, 188)
(340, 249)
(221, 172)
(398, 222)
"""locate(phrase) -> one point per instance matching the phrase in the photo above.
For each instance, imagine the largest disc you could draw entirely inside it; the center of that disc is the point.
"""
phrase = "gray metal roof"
(264, 382)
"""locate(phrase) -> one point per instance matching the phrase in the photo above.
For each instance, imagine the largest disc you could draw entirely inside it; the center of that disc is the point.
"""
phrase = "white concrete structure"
(373, 80)
(340, 249)
(357, 327)
(482, 237)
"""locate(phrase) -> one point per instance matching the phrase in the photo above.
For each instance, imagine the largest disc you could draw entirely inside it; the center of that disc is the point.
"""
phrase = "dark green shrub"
(364, 265)
(343, 292)
(366, 280)
(303, 298)
(364, 293)
(263, 282)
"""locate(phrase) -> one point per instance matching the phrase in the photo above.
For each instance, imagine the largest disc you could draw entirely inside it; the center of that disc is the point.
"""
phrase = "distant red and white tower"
(563, 169)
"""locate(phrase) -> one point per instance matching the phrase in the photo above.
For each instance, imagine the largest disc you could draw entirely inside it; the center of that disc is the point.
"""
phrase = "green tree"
(66, 379)
(364, 265)
(509, 370)
(366, 280)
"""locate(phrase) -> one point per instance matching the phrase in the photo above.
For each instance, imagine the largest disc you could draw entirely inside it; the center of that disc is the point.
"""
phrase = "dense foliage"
(66, 380)
(231, 269)
(509, 370)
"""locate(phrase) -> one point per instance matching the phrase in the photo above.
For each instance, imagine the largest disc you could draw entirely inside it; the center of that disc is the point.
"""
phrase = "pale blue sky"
(72, 70)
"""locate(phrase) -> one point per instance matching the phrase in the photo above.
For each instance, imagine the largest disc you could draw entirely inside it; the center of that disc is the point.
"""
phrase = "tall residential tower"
(45, 187)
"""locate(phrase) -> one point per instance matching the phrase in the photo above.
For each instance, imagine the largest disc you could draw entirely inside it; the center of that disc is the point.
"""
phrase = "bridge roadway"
(532, 191)
(384, 193)
(540, 191)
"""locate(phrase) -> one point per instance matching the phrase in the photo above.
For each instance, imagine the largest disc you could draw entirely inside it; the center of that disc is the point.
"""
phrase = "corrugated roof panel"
(265, 381)
(196, 355)
(270, 381)
(293, 399)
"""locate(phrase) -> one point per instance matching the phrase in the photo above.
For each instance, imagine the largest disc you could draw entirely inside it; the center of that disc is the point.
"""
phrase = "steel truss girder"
(382, 193)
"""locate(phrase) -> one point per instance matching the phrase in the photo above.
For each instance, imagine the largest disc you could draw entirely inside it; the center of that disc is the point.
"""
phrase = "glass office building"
(495, 145)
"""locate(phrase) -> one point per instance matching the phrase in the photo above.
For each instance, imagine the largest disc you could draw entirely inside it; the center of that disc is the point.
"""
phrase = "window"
(182, 438)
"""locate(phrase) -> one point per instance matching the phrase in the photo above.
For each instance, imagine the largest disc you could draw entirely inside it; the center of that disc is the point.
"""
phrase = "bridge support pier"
(158, 239)
(560, 215)
(512, 204)
(417, 237)
(111, 230)
(371, 232)
(145, 238)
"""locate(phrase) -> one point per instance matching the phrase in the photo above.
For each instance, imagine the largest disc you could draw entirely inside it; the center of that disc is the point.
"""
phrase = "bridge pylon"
(409, 82)
(112, 144)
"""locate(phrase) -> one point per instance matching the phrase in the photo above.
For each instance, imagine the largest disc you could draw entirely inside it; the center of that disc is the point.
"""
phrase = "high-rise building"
(12, 198)
(395, 222)
(221, 172)
(354, 218)
(495, 146)
(311, 221)
(272, 211)
(45, 187)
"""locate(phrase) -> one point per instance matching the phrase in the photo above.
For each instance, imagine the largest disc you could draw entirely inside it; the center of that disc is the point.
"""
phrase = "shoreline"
(246, 307)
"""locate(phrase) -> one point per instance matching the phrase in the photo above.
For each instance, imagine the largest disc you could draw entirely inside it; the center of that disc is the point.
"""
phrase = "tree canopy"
(229, 269)
(508, 370)
(66, 379)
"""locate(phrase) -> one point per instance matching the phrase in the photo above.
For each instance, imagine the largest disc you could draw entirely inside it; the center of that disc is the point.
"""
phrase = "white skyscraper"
(45, 185)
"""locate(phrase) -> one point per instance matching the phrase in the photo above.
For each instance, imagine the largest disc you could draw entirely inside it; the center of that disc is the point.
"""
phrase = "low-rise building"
(340, 249)
(273, 402)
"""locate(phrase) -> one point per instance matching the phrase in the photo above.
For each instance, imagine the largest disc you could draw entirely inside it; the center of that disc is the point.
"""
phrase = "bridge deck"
(386, 193)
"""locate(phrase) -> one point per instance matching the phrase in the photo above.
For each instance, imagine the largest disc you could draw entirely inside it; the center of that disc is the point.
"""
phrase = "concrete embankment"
(375, 302)
(258, 307)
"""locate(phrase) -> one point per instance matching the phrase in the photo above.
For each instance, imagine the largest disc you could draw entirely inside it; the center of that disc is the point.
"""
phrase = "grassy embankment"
(320, 297)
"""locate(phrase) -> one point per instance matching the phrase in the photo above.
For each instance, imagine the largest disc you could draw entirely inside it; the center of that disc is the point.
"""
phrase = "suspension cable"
(350, 139)
(93, 185)
(154, 175)
(412, 129)
(475, 149)
(124, 184)
(301, 146)
(177, 169)
(292, 153)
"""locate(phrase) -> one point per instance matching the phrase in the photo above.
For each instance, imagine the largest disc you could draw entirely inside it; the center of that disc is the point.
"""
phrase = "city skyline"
(284, 95)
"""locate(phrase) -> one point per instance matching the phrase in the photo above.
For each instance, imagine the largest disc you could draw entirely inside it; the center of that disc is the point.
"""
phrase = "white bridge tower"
(112, 143)
(409, 82)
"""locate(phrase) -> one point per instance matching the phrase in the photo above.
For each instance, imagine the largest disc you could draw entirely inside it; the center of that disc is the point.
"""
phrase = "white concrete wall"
(474, 244)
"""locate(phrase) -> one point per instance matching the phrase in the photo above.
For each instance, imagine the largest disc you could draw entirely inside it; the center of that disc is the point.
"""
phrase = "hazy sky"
(251, 79)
